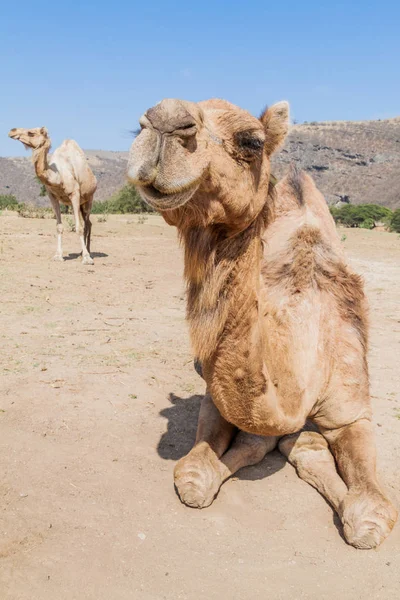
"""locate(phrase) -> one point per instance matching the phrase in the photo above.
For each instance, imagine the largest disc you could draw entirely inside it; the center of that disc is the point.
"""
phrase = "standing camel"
(278, 321)
(67, 178)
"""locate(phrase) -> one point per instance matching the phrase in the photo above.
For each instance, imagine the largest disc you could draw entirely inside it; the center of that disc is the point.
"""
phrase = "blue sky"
(87, 70)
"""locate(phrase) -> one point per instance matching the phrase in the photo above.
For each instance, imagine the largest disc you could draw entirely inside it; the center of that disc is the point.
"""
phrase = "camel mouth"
(166, 201)
(13, 136)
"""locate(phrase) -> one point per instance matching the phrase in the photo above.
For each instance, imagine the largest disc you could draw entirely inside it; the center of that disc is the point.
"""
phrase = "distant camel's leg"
(86, 209)
(200, 474)
(367, 515)
(57, 211)
(79, 227)
(309, 453)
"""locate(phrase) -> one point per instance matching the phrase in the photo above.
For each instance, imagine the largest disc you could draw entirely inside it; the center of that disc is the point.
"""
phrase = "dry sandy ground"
(98, 401)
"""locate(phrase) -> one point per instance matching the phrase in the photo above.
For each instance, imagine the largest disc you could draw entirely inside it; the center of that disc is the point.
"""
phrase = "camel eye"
(30, 134)
(249, 142)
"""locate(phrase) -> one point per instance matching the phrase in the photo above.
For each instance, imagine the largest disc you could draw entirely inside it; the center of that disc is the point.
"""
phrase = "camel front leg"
(57, 211)
(309, 453)
(367, 515)
(200, 474)
(80, 228)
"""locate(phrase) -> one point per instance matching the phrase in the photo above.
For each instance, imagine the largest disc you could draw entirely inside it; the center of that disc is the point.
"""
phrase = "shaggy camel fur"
(67, 178)
(277, 319)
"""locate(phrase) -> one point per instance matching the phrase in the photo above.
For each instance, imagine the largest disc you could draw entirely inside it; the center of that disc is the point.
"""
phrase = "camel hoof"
(367, 519)
(87, 260)
(197, 481)
(58, 258)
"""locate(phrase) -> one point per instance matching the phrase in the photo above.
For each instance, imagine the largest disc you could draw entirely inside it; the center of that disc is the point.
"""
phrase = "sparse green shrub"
(367, 224)
(102, 218)
(29, 211)
(127, 200)
(70, 223)
(395, 221)
(8, 201)
(43, 191)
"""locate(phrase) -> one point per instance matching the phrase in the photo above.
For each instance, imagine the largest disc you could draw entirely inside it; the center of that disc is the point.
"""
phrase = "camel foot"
(58, 258)
(87, 260)
(198, 478)
(367, 519)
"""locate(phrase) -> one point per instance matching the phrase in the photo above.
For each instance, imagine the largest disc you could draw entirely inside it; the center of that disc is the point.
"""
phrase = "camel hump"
(296, 179)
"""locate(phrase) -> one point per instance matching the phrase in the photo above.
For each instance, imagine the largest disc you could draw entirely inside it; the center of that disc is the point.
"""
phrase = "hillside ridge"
(356, 160)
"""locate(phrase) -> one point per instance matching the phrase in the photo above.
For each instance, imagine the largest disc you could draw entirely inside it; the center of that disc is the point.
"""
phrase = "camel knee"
(60, 228)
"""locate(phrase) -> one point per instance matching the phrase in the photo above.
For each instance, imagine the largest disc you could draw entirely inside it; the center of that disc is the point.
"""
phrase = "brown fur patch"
(310, 262)
(295, 179)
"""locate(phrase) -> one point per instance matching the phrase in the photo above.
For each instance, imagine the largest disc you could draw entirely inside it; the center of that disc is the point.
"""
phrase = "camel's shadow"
(75, 256)
(180, 436)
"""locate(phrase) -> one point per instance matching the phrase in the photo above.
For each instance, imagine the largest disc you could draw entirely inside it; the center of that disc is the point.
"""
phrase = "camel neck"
(223, 280)
(39, 158)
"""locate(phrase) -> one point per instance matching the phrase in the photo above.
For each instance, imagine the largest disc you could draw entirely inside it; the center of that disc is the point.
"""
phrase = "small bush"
(43, 191)
(70, 223)
(395, 221)
(102, 218)
(127, 200)
(8, 201)
(29, 211)
(367, 224)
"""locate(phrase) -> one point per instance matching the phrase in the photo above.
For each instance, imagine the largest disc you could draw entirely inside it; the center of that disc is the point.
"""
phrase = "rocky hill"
(360, 160)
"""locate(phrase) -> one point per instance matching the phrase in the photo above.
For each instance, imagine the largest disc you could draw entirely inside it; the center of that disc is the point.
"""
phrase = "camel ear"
(276, 125)
(44, 131)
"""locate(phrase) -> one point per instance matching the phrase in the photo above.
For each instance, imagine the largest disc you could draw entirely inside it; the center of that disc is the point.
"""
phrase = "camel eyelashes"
(135, 132)
(248, 143)
(189, 126)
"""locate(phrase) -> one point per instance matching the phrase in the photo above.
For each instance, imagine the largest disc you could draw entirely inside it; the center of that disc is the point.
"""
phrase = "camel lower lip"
(162, 201)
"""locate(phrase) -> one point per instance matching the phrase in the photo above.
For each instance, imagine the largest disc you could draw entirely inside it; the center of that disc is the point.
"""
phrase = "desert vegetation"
(126, 200)
(366, 216)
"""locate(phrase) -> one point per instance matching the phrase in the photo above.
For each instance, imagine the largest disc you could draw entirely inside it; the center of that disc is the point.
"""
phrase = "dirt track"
(99, 399)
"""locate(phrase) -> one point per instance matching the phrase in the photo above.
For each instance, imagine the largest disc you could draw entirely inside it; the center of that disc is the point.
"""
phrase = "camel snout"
(143, 158)
(12, 133)
(175, 116)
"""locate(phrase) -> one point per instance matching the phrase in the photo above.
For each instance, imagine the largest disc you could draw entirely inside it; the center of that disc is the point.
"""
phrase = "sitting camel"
(277, 319)
(67, 178)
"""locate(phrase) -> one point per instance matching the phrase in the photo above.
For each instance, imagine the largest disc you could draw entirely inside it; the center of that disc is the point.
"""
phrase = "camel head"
(207, 162)
(31, 138)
